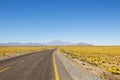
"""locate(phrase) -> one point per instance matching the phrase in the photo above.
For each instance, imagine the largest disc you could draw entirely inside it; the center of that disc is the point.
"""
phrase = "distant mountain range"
(56, 43)
(20, 44)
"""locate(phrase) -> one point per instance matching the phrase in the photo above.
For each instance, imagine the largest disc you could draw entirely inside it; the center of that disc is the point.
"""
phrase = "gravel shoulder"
(75, 72)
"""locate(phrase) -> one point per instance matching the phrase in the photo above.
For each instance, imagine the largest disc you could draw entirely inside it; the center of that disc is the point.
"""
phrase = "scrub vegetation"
(106, 57)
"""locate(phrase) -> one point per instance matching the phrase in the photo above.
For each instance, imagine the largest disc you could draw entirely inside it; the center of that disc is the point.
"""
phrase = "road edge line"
(55, 68)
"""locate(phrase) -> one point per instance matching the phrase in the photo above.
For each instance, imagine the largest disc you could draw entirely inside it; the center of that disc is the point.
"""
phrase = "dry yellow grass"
(11, 51)
(106, 57)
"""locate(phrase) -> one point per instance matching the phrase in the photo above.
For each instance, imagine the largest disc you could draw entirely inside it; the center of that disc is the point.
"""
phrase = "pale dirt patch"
(11, 55)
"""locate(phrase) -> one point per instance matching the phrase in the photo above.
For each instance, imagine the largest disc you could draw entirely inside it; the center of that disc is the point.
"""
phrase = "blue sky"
(91, 21)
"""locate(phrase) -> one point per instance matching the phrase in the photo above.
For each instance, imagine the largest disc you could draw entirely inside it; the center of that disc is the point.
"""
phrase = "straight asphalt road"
(41, 65)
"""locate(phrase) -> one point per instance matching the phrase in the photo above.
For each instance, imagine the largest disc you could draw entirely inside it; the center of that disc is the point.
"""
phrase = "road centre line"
(4, 69)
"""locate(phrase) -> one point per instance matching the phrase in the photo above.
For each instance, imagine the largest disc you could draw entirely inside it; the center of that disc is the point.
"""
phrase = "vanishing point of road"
(42, 65)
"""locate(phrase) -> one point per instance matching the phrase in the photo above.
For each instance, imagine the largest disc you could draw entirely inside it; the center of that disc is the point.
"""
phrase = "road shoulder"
(73, 71)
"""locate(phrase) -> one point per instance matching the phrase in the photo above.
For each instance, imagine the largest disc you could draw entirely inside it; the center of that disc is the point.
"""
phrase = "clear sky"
(91, 21)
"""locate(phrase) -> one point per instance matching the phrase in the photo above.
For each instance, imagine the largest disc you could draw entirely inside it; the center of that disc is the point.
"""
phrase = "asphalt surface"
(34, 66)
